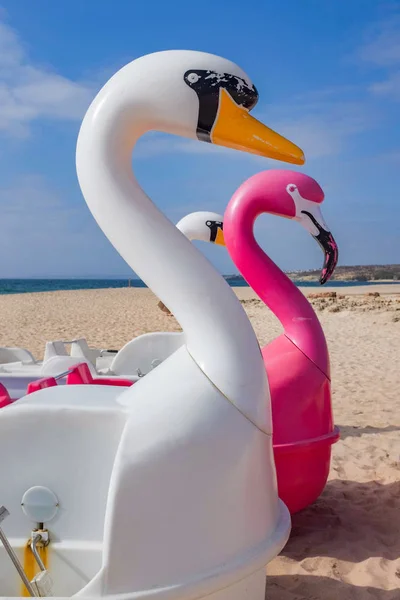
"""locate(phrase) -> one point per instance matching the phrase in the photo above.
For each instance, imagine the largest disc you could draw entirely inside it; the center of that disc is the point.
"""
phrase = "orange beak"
(234, 127)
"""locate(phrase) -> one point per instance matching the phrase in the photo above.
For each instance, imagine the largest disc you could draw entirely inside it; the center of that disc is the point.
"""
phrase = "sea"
(26, 286)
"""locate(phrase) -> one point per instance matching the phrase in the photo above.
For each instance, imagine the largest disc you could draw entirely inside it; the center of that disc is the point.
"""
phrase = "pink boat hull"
(302, 470)
(302, 418)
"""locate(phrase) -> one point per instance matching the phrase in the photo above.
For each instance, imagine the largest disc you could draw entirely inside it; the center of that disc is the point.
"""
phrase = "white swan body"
(167, 490)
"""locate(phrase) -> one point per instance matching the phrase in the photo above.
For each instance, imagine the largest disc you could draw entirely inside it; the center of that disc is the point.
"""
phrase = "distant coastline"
(345, 276)
(360, 273)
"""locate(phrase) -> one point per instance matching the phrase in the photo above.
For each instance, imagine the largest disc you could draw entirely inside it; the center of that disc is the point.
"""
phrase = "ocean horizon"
(26, 286)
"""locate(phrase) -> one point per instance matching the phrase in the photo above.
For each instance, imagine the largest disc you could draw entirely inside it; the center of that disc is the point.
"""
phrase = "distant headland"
(346, 273)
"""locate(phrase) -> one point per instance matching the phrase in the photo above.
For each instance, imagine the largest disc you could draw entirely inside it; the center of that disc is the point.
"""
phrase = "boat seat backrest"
(56, 348)
(80, 349)
(12, 355)
(145, 352)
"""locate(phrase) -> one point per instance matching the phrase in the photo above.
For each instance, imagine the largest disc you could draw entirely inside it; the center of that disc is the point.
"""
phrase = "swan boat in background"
(19, 369)
(101, 479)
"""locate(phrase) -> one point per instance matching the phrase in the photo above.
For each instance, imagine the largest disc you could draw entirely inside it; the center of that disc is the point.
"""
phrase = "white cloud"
(389, 87)
(29, 92)
(28, 204)
(43, 234)
(382, 50)
(325, 128)
(383, 45)
(389, 157)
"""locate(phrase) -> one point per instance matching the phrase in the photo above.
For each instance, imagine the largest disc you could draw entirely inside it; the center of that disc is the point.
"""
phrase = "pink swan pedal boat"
(297, 362)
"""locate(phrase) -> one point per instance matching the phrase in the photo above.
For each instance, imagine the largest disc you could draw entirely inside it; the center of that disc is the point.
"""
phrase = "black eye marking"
(207, 85)
(209, 82)
(214, 226)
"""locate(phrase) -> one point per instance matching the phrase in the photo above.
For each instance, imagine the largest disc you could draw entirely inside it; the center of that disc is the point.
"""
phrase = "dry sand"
(347, 545)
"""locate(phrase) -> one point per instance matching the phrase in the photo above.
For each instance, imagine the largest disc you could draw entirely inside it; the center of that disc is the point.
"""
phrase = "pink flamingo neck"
(274, 288)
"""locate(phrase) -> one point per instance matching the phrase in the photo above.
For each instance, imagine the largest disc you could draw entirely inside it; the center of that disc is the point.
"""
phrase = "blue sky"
(328, 74)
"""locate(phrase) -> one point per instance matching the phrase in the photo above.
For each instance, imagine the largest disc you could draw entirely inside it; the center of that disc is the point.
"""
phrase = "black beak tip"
(325, 275)
(330, 249)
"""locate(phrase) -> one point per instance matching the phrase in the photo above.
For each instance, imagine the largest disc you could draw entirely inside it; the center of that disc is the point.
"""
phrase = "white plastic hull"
(72, 565)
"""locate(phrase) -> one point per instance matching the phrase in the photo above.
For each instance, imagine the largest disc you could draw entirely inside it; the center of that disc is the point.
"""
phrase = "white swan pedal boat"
(166, 489)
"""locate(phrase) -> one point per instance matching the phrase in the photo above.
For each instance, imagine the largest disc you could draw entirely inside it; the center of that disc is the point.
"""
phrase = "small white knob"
(39, 504)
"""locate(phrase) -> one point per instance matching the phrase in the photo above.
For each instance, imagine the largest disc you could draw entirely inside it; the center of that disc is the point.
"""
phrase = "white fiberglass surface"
(19, 368)
(94, 396)
(65, 439)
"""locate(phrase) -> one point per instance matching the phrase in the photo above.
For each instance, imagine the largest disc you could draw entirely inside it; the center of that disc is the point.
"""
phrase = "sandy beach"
(347, 545)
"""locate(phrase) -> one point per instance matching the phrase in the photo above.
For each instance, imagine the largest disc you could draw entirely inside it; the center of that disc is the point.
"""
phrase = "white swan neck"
(218, 334)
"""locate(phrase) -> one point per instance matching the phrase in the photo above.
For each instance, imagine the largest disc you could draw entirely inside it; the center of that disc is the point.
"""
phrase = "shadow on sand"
(353, 431)
(350, 521)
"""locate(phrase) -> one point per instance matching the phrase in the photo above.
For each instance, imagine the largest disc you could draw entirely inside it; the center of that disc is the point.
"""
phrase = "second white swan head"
(204, 226)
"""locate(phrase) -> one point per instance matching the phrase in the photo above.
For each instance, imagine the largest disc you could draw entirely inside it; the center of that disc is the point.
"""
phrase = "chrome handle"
(3, 514)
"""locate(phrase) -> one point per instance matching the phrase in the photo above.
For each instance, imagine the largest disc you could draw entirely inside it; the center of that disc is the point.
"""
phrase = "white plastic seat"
(80, 349)
(15, 355)
(56, 348)
(145, 352)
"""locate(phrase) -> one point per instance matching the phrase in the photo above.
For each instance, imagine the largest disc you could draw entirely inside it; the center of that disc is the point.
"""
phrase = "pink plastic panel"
(41, 384)
(5, 399)
(80, 374)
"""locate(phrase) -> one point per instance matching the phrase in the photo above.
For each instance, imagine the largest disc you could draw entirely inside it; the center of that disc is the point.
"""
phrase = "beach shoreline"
(38, 285)
(348, 287)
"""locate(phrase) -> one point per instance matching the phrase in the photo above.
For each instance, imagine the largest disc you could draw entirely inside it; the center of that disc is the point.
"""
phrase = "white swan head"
(200, 96)
(203, 226)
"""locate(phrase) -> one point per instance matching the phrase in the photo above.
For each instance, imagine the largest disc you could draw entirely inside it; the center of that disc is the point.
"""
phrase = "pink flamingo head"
(292, 195)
